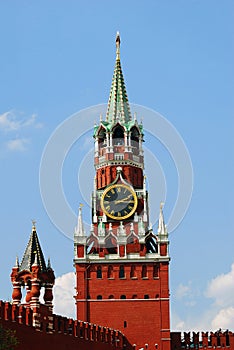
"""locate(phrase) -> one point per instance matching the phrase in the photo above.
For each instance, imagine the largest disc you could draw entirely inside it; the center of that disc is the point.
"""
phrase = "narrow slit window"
(99, 272)
(144, 271)
(121, 272)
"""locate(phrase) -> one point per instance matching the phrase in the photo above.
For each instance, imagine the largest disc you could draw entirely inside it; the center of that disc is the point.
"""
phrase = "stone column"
(48, 296)
(16, 294)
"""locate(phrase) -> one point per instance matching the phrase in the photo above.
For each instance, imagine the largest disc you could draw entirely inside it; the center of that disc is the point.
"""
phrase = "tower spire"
(117, 42)
(162, 230)
(118, 105)
(33, 251)
(79, 230)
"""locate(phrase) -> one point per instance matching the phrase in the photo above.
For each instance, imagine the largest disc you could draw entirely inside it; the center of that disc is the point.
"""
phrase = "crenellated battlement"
(49, 325)
(202, 340)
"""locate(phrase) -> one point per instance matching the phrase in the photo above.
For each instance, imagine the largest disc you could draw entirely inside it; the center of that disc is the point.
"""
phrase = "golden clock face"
(119, 201)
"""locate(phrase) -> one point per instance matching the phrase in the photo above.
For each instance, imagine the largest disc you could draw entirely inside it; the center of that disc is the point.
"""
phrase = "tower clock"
(122, 265)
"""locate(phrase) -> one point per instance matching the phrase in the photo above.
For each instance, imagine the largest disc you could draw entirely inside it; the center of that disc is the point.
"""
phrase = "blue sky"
(57, 58)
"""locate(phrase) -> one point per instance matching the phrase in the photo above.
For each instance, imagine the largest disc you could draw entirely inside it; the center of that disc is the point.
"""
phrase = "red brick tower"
(33, 274)
(122, 266)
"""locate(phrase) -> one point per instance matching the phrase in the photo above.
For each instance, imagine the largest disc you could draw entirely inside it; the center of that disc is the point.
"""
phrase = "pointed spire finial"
(34, 225)
(161, 224)
(117, 42)
(17, 262)
(48, 264)
(79, 230)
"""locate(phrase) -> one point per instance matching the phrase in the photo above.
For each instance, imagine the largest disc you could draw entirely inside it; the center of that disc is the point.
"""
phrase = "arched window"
(144, 271)
(92, 245)
(123, 296)
(132, 244)
(118, 136)
(121, 272)
(111, 244)
(151, 244)
(134, 296)
(157, 296)
(133, 272)
(155, 271)
(110, 273)
(134, 137)
(146, 296)
(102, 136)
(111, 296)
(99, 297)
(99, 272)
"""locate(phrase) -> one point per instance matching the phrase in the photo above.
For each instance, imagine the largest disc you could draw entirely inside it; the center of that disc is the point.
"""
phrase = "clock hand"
(123, 201)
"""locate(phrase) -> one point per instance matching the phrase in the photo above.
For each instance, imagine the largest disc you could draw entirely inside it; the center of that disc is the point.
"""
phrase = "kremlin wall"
(61, 333)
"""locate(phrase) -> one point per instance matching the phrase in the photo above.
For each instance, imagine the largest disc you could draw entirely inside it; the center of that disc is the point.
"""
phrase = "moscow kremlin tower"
(122, 266)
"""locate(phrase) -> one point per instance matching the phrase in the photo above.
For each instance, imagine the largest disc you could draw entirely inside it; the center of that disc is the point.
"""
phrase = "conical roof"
(33, 253)
(118, 106)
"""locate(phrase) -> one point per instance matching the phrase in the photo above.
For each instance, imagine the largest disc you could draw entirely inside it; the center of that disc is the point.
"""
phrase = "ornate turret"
(33, 274)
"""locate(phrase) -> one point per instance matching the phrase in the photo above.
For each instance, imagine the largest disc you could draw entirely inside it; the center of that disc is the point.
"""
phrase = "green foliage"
(8, 340)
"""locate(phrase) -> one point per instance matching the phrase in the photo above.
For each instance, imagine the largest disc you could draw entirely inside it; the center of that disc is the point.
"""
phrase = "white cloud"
(182, 291)
(31, 121)
(220, 314)
(177, 323)
(221, 288)
(224, 319)
(18, 126)
(64, 302)
(10, 122)
(18, 144)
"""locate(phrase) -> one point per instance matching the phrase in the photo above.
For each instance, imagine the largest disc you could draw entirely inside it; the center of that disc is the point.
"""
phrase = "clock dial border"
(115, 217)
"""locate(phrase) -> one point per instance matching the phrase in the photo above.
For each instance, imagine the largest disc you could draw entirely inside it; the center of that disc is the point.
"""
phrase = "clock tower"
(122, 265)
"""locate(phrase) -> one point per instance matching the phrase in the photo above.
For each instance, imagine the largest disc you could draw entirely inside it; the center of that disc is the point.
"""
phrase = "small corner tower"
(122, 266)
(32, 274)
